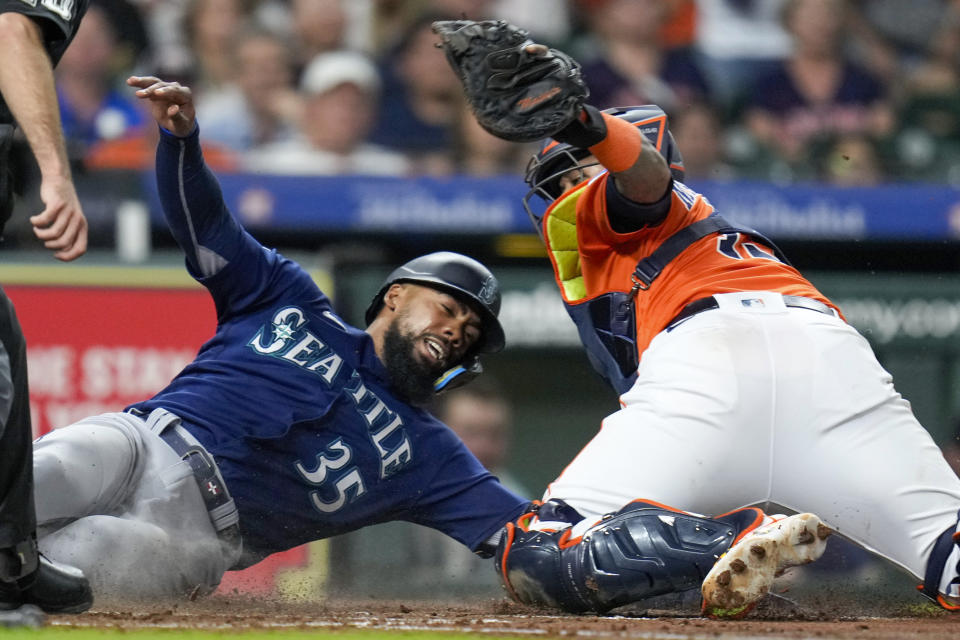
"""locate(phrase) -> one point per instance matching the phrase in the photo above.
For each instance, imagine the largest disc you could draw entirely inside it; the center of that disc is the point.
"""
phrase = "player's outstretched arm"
(28, 90)
(522, 91)
(170, 103)
(189, 192)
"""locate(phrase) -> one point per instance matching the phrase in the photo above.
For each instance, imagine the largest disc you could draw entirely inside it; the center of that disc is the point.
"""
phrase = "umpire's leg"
(17, 515)
(25, 578)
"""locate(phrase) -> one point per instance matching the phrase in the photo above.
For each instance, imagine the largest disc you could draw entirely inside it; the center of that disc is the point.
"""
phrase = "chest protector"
(606, 320)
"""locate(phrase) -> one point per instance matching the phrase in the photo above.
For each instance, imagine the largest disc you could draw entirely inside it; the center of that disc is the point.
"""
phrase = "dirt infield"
(776, 618)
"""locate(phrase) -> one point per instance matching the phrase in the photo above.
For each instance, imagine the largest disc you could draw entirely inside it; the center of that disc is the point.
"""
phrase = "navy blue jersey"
(58, 20)
(295, 405)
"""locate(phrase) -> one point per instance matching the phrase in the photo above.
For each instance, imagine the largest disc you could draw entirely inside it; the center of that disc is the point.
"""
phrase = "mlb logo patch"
(753, 303)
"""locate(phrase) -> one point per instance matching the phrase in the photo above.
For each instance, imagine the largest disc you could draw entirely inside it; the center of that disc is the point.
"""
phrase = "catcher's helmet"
(463, 278)
(557, 158)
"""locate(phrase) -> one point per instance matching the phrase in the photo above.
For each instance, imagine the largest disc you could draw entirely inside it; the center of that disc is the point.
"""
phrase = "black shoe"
(55, 588)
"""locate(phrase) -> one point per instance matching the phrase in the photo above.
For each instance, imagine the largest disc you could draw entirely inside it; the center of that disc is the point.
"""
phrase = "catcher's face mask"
(555, 159)
(545, 172)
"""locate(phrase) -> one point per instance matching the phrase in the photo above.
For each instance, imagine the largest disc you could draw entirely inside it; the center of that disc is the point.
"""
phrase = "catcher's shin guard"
(641, 551)
(941, 583)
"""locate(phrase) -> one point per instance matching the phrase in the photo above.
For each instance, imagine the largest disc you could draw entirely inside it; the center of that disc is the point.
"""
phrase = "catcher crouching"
(719, 350)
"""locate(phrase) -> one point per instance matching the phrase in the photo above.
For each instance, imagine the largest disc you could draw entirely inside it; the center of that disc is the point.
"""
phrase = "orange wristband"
(622, 146)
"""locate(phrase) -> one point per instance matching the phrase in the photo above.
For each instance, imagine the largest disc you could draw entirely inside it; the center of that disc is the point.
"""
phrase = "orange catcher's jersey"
(591, 260)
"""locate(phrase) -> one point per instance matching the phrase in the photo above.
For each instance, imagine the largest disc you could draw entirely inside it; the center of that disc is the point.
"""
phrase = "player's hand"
(171, 104)
(61, 225)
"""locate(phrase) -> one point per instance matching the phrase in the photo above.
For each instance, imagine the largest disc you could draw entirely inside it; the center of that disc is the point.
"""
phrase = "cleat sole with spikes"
(743, 575)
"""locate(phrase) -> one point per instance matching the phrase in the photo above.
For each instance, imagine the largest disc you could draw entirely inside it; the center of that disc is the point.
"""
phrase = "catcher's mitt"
(519, 90)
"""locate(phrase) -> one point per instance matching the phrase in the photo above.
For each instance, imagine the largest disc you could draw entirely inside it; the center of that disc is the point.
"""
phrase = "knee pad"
(641, 551)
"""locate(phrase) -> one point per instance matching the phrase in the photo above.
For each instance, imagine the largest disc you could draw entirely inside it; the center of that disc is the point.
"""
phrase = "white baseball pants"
(756, 403)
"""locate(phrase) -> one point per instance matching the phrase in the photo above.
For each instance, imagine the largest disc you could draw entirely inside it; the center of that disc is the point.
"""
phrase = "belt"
(708, 303)
(216, 498)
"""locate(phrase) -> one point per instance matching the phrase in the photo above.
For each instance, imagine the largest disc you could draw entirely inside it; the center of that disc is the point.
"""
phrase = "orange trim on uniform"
(622, 146)
(947, 605)
(549, 145)
(503, 562)
(753, 525)
(956, 537)
(523, 523)
(565, 541)
(605, 260)
(661, 130)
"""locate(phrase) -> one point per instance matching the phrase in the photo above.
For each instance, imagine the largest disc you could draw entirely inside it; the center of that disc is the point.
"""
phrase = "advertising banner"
(492, 205)
(93, 350)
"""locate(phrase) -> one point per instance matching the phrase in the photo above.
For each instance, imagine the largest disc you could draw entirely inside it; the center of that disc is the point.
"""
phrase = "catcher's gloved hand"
(519, 90)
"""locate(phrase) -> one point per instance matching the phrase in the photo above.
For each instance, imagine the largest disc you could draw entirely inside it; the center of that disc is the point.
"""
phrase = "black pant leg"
(18, 519)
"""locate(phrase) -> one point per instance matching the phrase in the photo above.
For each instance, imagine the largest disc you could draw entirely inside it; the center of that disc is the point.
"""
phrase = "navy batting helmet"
(461, 277)
(557, 158)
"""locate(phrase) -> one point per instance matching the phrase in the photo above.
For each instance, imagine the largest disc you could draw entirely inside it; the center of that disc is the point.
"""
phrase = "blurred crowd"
(851, 92)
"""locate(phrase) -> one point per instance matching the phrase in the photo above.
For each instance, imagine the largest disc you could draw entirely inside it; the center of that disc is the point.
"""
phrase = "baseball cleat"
(743, 575)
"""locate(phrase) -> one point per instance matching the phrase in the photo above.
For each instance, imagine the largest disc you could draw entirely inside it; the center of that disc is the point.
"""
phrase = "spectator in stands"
(875, 50)
(169, 55)
(680, 27)
(421, 102)
(478, 153)
(851, 160)
(738, 41)
(928, 140)
(134, 42)
(630, 65)
(547, 20)
(318, 26)
(817, 91)
(699, 134)
(136, 153)
(260, 106)
(340, 92)
(890, 39)
(91, 106)
(209, 27)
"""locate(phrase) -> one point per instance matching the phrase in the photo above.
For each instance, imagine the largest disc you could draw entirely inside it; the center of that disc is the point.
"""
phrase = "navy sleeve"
(193, 205)
(466, 502)
(236, 269)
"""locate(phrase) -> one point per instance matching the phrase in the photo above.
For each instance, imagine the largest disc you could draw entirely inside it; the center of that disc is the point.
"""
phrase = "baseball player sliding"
(739, 382)
(289, 426)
